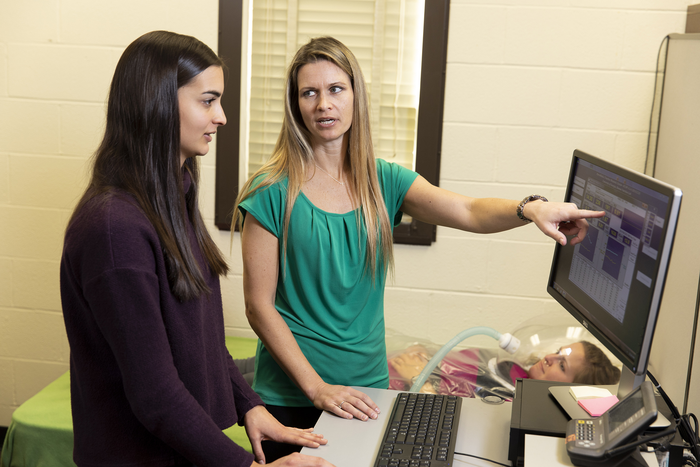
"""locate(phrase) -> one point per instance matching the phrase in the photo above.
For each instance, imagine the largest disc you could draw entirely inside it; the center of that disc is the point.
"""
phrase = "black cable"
(641, 440)
(662, 444)
(689, 459)
(692, 434)
(480, 458)
(669, 403)
(653, 104)
(695, 423)
(683, 422)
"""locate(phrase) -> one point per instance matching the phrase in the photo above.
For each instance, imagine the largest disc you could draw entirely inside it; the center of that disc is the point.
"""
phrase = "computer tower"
(535, 411)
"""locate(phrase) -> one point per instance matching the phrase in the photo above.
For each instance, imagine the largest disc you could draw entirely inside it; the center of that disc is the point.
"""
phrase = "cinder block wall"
(57, 58)
(527, 82)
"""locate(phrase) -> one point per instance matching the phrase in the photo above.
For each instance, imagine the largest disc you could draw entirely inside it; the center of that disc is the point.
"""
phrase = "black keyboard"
(421, 432)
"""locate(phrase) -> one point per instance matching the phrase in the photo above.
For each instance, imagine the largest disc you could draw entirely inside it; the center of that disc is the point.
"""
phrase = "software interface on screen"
(616, 264)
(604, 263)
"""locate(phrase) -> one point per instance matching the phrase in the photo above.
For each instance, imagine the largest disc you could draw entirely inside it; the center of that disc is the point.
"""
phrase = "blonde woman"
(316, 232)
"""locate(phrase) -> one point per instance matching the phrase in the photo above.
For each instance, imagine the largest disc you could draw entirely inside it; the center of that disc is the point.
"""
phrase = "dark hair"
(598, 369)
(140, 151)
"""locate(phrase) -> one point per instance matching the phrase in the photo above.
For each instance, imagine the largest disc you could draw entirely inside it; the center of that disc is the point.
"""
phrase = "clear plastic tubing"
(505, 341)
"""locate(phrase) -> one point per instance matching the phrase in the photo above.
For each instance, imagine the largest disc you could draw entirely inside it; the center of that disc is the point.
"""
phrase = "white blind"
(386, 36)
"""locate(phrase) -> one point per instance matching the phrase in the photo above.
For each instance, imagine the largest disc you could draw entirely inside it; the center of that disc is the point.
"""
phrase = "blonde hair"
(293, 154)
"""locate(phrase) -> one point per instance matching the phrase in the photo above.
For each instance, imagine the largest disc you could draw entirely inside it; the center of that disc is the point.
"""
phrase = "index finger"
(586, 213)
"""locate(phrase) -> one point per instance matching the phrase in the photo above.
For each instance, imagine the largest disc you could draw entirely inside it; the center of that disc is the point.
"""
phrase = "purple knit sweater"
(151, 380)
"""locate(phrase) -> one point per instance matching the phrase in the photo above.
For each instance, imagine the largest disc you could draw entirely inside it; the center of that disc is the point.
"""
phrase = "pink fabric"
(459, 374)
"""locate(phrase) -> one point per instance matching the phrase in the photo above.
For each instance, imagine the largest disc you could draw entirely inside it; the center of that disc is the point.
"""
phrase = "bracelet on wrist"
(521, 206)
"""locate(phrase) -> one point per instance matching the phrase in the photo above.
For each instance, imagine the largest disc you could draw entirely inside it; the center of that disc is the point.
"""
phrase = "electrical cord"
(689, 459)
(641, 440)
(663, 444)
(692, 433)
(688, 432)
(480, 458)
(682, 423)
(653, 105)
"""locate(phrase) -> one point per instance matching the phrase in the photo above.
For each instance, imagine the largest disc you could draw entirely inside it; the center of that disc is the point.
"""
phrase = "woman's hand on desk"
(260, 425)
(345, 402)
(298, 460)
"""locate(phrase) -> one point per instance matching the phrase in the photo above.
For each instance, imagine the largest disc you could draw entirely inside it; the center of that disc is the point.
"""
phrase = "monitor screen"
(612, 282)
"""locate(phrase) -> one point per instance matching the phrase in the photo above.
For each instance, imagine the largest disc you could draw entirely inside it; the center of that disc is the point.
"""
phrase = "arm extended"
(434, 205)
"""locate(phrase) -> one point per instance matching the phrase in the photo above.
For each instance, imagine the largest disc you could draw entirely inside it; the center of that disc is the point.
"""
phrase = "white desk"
(546, 451)
(483, 431)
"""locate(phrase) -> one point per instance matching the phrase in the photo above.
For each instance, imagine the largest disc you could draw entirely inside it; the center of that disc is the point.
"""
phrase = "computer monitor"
(612, 282)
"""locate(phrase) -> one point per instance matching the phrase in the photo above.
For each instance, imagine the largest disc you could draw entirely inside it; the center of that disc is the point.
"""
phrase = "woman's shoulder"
(114, 210)
(111, 222)
(394, 181)
(263, 186)
(392, 171)
(384, 165)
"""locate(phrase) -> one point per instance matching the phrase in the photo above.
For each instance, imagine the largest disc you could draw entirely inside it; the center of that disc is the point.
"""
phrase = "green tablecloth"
(41, 431)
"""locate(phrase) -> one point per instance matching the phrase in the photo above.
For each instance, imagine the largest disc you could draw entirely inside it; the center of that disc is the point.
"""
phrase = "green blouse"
(326, 297)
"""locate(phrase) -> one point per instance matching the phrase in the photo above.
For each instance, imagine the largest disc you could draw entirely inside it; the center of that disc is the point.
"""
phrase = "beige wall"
(527, 82)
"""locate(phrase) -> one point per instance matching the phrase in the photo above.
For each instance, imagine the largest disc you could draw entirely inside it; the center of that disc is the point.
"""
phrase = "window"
(384, 35)
(394, 125)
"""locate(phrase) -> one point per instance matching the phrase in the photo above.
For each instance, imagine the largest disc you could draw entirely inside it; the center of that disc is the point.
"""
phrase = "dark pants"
(296, 417)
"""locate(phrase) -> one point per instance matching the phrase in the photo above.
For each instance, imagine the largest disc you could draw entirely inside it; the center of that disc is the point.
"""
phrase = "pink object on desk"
(598, 406)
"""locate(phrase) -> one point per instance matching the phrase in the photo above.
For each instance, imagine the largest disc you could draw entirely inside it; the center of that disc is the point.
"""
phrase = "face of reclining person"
(562, 366)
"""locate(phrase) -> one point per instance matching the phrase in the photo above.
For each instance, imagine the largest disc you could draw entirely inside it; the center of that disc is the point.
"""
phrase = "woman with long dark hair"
(152, 382)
